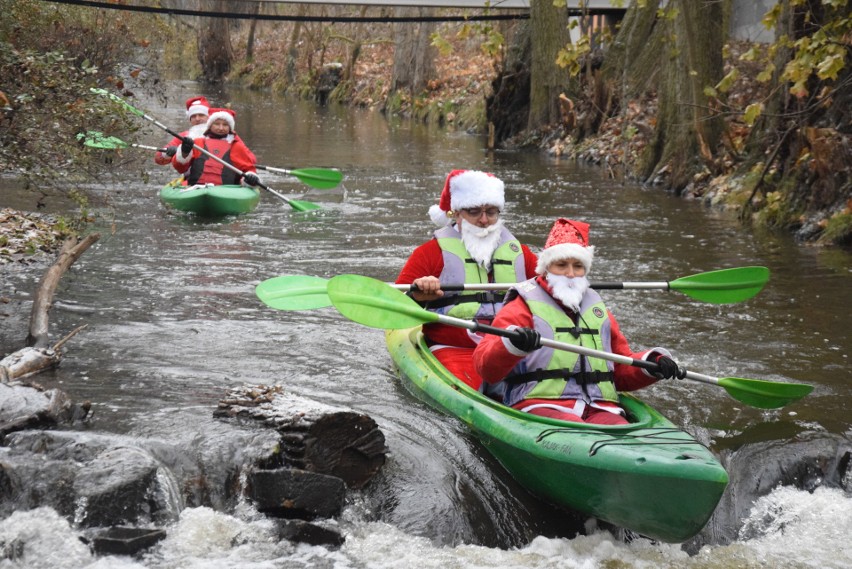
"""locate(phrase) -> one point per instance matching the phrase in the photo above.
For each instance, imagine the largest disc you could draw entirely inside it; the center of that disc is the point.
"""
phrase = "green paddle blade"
(300, 205)
(764, 394)
(118, 99)
(319, 178)
(96, 139)
(294, 292)
(376, 304)
(725, 286)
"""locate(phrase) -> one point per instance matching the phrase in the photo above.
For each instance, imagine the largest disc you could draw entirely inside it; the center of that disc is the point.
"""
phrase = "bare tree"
(215, 52)
(688, 130)
(414, 57)
(549, 28)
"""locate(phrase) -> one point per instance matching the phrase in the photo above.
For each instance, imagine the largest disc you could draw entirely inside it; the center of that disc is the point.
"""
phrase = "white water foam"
(787, 529)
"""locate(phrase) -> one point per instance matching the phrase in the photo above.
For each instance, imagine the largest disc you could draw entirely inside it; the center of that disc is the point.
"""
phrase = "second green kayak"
(649, 477)
(211, 201)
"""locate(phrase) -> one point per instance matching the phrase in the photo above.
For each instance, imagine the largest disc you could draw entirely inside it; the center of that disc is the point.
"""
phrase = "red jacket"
(161, 158)
(428, 260)
(493, 360)
(239, 156)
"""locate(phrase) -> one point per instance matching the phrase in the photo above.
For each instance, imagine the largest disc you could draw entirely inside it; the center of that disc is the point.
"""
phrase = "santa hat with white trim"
(568, 239)
(226, 114)
(466, 189)
(197, 106)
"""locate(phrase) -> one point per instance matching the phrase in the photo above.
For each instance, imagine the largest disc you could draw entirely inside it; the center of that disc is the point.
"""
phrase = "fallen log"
(314, 436)
(38, 355)
(70, 252)
(28, 361)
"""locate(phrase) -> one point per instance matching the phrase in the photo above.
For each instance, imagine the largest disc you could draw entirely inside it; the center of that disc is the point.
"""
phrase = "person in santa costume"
(471, 246)
(559, 305)
(197, 111)
(220, 140)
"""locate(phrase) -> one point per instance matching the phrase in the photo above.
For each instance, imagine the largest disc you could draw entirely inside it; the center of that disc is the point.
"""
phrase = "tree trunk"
(355, 50)
(214, 45)
(508, 107)
(293, 49)
(252, 29)
(549, 26)
(633, 60)
(414, 56)
(687, 132)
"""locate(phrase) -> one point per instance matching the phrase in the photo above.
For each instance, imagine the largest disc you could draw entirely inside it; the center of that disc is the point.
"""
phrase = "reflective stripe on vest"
(507, 266)
(206, 170)
(593, 330)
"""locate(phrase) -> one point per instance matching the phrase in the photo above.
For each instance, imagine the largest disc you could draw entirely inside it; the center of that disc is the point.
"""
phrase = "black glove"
(251, 179)
(669, 369)
(171, 151)
(526, 339)
(186, 146)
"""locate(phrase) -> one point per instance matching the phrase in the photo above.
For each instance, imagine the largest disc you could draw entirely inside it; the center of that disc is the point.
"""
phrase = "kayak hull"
(649, 477)
(211, 201)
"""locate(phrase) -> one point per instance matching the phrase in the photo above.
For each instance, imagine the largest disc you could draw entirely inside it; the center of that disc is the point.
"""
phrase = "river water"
(174, 323)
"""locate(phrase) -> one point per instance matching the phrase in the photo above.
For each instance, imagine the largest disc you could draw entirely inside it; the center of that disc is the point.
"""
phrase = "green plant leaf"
(752, 112)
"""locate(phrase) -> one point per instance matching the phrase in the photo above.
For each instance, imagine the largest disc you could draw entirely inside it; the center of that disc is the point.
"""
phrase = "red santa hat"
(568, 239)
(197, 106)
(226, 114)
(465, 189)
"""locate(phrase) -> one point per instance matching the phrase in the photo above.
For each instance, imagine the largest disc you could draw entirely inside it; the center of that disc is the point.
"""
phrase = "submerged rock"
(121, 540)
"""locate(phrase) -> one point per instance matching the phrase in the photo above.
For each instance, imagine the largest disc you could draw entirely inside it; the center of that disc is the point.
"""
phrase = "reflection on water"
(173, 323)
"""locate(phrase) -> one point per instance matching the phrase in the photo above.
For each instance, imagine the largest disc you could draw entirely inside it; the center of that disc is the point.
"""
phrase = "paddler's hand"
(526, 339)
(171, 151)
(251, 179)
(186, 146)
(669, 369)
(425, 289)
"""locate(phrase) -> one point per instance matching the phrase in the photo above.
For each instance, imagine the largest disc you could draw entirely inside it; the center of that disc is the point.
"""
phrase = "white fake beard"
(197, 131)
(481, 242)
(569, 291)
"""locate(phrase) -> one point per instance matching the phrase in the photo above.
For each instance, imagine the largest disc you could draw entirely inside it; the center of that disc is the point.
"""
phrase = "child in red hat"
(220, 140)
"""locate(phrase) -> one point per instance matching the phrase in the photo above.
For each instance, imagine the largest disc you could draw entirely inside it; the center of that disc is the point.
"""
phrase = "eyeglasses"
(476, 212)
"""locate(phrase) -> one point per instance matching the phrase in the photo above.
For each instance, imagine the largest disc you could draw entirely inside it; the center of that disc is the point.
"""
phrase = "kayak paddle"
(373, 303)
(303, 292)
(294, 292)
(295, 204)
(319, 178)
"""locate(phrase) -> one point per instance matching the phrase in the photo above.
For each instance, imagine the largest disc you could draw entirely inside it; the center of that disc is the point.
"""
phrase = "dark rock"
(807, 461)
(314, 436)
(121, 540)
(291, 493)
(24, 406)
(97, 481)
(305, 532)
(116, 487)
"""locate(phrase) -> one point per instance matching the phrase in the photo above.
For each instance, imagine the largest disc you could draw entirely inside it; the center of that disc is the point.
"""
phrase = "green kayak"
(211, 201)
(649, 477)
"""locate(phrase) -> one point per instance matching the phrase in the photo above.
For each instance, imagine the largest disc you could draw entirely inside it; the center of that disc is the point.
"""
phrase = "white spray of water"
(787, 529)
